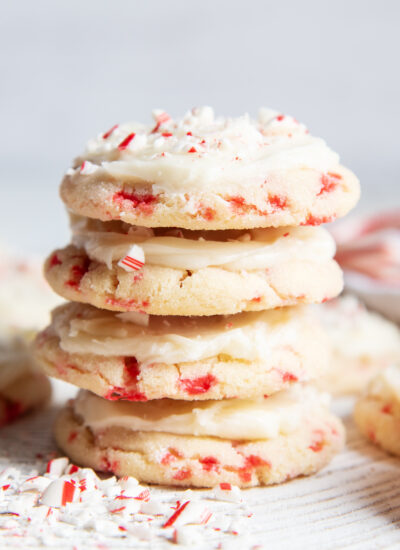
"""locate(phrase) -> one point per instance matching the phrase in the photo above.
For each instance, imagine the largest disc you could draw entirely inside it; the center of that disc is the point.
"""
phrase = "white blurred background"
(70, 69)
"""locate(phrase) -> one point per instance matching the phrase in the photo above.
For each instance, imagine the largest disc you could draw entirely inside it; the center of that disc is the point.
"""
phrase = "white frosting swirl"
(235, 250)
(246, 419)
(200, 152)
(248, 336)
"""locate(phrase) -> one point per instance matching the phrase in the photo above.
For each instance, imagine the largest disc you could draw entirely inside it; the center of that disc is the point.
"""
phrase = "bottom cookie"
(377, 413)
(243, 442)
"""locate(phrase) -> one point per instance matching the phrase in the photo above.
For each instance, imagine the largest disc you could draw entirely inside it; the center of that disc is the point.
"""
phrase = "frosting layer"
(108, 242)
(248, 336)
(282, 413)
(201, 152)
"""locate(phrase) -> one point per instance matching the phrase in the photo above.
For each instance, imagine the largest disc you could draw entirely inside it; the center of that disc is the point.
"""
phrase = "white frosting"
(282, 413)
(249, 336)
(244, 250)
(356, 332)
(201, 152)
(386, 385)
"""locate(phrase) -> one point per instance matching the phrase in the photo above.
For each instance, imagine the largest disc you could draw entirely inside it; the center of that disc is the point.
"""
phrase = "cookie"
(194, 273)
(377, 412)
(22, 386)
(243, 442)
(118, 357)
(362, 343)
(202, 172)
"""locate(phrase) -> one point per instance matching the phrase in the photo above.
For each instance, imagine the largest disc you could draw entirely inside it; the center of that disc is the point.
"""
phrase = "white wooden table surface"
(353, 503)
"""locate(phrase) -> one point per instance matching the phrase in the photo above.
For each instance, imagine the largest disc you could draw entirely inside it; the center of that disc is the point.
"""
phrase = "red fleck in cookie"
(22, 386)
(377, 412)
(137, 357)
(242, 442)
(362, 343)
(202, 172)
(178, 272)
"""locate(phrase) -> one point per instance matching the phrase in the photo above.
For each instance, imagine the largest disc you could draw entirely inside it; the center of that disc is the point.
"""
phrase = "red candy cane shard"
(171, 520)
(134, 259)
(125, 142)
(110, 131)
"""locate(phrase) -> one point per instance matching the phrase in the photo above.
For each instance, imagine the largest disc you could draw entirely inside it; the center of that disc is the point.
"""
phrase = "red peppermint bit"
(195, 386)
(13, 409)
(314, 220)
(237, 202)
(387, 409)
(318, 442)
(116, 393)
(72, 436)
(166, 134)
(203, 142)
(162, 118)
(125, 142)
(67, 493)
(129, 305)
(280, 117)
(256, 299)
(289, 377)
(286, 234)
(105, 465)
(122, 528)
(5, 487)
(324, 300)
(244, 475)
(183, 473)
(77, 273)
(210, 463)
(144, 495)
(277, 202)
(172, 519)
(225, 486)
(255, 461)
(206, 212)
(192, 150)
(71, 470)
(116, 510)
(54, 260)
(132, 369)
(138, 277)
(171, 455)
(110, 131)
(189, 133)
(144, 202)
(329, 182)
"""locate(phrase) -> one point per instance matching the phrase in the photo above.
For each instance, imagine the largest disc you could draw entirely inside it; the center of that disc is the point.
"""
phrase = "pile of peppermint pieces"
(68, 504)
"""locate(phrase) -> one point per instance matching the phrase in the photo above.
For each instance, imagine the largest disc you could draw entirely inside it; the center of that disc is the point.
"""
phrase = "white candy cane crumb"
(227, 492)
(133, 260)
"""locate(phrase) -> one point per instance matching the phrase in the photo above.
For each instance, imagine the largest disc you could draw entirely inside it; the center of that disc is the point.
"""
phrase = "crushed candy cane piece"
(57, 466)
(133, 260)
(227, 492)
(135, 317)
(189, 512)
(59, 493)
(187, 536)
(35, 483)
(88, 168)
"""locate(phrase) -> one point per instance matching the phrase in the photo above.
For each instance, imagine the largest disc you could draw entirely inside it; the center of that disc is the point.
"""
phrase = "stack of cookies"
(195, 244)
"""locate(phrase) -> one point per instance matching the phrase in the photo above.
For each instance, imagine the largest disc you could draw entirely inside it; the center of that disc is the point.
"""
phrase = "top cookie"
(202, 172)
